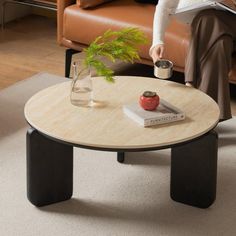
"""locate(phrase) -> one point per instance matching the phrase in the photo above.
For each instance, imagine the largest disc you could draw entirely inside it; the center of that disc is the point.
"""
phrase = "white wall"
(13, 11)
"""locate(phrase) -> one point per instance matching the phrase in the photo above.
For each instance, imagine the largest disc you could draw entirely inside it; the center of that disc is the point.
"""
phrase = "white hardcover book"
(187, 10)
(165, 113)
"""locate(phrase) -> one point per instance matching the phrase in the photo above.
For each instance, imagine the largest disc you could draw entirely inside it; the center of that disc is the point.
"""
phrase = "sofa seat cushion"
(90, 3)
(84, 26)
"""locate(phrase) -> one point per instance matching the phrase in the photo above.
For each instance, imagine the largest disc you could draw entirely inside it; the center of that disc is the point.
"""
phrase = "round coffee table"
(57, 126)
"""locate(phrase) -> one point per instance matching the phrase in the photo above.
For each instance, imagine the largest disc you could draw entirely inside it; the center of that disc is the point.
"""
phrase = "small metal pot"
(163, 69)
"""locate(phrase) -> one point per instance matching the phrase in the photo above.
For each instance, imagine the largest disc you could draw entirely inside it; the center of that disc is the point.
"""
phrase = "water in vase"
(81, 87)
(81, 96)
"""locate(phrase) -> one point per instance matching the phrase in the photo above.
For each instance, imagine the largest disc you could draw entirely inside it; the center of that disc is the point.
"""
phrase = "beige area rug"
(109, 198)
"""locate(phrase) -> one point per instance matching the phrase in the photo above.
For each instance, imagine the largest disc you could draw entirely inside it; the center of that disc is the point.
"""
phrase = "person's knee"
(206, 17)
(225, 44)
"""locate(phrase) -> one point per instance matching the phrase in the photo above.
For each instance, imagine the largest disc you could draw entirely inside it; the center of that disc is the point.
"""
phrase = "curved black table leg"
(49, 170)
(121, 157)
(194, 171)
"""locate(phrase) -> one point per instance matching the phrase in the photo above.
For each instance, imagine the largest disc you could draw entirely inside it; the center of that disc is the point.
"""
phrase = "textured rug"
(109, 198)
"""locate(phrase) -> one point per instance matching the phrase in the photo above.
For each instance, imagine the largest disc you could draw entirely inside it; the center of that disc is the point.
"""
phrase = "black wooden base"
(121, 157)
(68, 57)
(49, 170)
(194, 171)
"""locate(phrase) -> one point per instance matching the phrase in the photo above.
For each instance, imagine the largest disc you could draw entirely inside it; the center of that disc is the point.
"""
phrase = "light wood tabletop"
(106, 126)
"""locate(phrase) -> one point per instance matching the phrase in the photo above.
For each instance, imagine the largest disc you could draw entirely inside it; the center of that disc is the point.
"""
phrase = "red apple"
(149, 100)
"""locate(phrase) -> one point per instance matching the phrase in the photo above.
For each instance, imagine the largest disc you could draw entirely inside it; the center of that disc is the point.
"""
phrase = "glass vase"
(81, 87)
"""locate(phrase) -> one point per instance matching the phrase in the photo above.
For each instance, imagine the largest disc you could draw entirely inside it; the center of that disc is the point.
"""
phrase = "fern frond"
(114, 45)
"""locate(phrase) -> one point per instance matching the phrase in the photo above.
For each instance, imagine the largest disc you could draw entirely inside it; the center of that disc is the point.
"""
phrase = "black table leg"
(121, 157)
(68, 58)
(194, 171)
(49, 170)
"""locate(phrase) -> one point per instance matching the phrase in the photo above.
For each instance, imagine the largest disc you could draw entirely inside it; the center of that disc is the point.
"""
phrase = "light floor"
(29, 46)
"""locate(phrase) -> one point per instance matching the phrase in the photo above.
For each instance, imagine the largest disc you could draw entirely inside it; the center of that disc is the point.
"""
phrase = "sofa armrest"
(61, 5)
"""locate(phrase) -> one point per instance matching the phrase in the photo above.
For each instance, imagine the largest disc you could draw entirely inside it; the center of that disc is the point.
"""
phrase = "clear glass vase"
(81, 87)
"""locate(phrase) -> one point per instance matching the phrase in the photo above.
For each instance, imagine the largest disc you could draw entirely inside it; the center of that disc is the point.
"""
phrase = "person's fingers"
(156, 55)
(161, 52)
(156, 58)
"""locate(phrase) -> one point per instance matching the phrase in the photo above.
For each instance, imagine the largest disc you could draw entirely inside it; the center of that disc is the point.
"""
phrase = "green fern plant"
(114, 45)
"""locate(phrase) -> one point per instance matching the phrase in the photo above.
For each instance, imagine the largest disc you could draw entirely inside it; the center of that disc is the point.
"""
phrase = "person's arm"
(160, 23)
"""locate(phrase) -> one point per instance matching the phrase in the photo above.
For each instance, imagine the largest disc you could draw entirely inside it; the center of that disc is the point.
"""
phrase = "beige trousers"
(209, 58)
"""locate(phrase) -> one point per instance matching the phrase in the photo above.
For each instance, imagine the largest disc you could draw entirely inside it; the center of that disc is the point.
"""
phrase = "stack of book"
(165, 113)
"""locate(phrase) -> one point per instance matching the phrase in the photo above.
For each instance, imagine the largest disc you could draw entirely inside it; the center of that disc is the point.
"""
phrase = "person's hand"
(157, 52)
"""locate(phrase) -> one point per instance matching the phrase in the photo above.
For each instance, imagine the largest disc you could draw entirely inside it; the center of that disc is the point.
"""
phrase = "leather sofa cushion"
(84, 26)
(90, 3)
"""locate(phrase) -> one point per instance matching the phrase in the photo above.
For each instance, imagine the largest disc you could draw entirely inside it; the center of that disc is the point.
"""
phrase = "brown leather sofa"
(78, 27)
